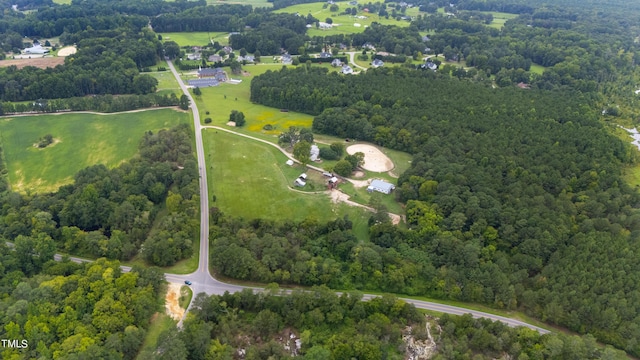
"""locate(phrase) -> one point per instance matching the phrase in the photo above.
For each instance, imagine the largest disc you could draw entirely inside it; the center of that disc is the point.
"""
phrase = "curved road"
(204, 282)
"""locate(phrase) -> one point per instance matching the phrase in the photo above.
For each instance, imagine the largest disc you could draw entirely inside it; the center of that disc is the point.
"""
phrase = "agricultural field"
(220, 100)
(537, 69)
(196, 38)
(251, 180)
(254, 3)
(499, 18)
(79, 140)
(342, 24)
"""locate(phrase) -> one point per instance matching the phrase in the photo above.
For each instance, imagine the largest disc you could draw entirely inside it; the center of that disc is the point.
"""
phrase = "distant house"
(227, 49)
(286, 59)
(522, 85)
(380, 186)
(324, 55)
(248, 58)
(352, 3)
(429, 65)
(426, 38)
(36, 49)
(324, 25)
(346, 69)
(215, 58)
(368, 46)
(205, 82)
(377, 63)
(333, 180)
(336, 62)
(195, 56)
(289, 162)
(315, 153)
(216, 73)
(427, 50)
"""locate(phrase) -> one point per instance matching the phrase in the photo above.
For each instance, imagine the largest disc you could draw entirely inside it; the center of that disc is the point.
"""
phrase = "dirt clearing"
(374, 159)
(172, 302)
(66, 51)
(40, 62)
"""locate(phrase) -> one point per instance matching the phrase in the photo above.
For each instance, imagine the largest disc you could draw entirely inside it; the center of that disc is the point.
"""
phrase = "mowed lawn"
(342, 24)
(254, 3)
(499, 18)
(251, 180)
(80, 140)
(220, 100)
(196, 38)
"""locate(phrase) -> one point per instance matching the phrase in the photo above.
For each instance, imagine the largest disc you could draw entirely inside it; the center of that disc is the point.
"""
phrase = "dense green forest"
(64, 310)
(112, 212)
(514, 197)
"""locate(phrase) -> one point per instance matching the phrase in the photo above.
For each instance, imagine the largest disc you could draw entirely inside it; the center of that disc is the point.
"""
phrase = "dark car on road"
(188, 282)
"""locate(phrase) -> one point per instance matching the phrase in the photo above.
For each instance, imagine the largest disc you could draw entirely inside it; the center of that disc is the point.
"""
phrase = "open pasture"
(196, 38)
(251, 180)
(220, 100)
(342, 23)
(80, 140)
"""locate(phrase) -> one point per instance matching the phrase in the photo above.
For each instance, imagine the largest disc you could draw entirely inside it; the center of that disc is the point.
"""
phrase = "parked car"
(188, 282)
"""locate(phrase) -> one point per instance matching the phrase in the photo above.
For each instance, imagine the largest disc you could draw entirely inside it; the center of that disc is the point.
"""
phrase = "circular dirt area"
(374, 159)
(358, 174)
(66, 51)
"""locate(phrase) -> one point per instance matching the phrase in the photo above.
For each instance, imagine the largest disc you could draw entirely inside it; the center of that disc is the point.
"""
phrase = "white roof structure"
(315, 153)
(299, 182)
(289, 162)
(346, 69)
(303, 176)
(333, 180)
(380, 186)
(36, 49)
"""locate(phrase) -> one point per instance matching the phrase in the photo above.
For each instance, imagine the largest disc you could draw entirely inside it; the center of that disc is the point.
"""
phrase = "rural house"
(377, 63)
(346, 69)
(336, 62)
(380, 186)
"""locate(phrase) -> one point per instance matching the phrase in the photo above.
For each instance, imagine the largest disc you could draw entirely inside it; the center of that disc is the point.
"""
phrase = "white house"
(377, 63)
(336, 62)
(380, 186)
(346, 69)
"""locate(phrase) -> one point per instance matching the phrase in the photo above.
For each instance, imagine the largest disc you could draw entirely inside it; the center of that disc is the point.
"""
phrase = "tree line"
(507, 196)
(111, 212)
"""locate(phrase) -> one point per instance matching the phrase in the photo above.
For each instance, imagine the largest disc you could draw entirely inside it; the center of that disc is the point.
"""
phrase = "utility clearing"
(172, 302)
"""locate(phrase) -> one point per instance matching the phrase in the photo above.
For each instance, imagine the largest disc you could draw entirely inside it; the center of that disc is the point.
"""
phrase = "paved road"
(352, 60)
(202, 279)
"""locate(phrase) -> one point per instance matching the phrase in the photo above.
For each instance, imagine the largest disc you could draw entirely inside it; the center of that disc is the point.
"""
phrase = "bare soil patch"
(358, 174)
(338, 196)
(41, 62)
(172, 303)
(374, 159)
(66, 51)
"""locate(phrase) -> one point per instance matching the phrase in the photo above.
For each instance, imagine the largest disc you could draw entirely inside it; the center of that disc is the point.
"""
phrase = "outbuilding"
(381, 186)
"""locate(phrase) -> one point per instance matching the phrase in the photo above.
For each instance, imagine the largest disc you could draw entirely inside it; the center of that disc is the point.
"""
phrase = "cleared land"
(499, 18)
(68, 50)
(251, 180)
(166, 81)
(81, 140)
(374, 159)
(220, 100)
(196, 38)
(254, 3)
(343, 24)
(39, 62)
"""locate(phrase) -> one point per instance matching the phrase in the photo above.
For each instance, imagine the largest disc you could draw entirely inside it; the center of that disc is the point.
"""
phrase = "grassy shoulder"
(80, 140)
(159, 323)
(196, 38)
(186, 294)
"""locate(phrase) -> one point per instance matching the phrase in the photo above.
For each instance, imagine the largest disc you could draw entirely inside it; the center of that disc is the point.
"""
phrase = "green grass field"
(196, 38)
(537, 69)
(80, 140)
(185, 296)
(220, 100)
(499, 18)
(343, 24)
(159, 323)
(254, 3)
(166, 81)
(251, 180)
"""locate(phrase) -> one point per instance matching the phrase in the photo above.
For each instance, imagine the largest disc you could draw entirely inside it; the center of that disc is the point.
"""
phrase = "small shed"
(289, 162)
(299, 182)
(303, 176)
(333, 180)
(380, 186)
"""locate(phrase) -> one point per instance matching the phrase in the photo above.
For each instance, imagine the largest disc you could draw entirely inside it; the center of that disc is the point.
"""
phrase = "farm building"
(380, 186)
(36, 49)
(203, 82)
